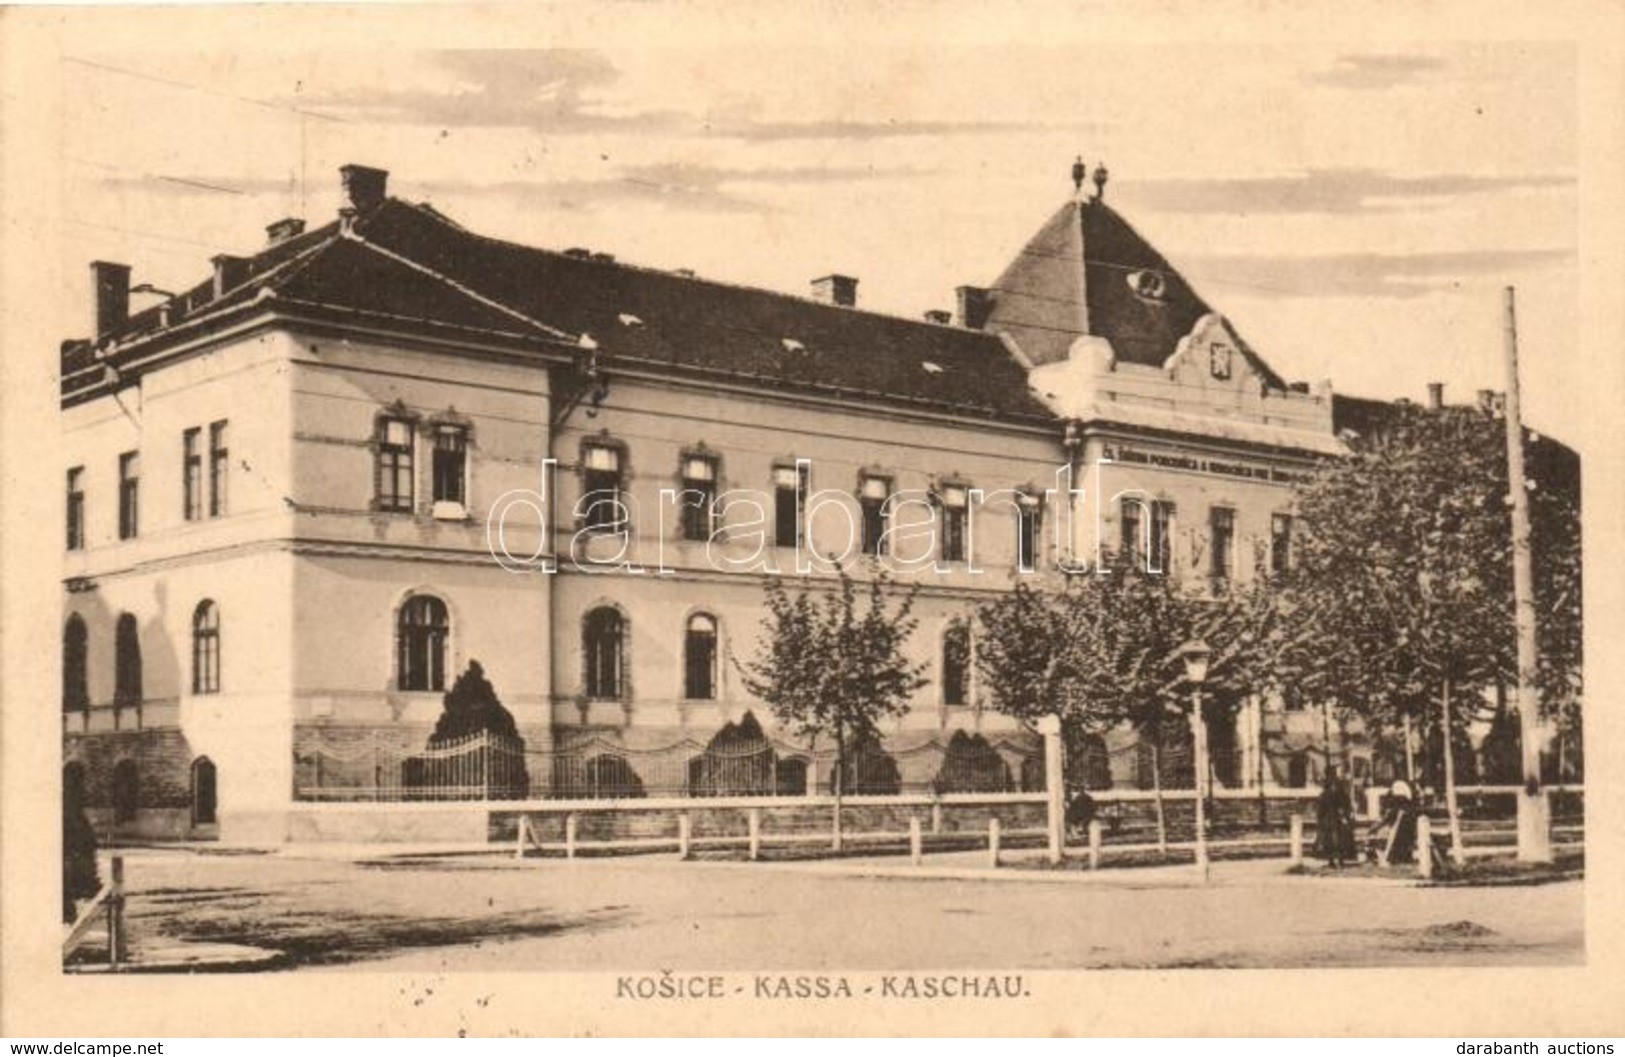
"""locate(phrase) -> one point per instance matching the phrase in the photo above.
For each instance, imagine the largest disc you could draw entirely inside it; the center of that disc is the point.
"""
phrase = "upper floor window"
(218, 458)
(129, 495)
(75, 665)
(126, 661)
(602, 509)
(76, 508)
(956, 660)
(393, 471)
(698, 500)
(191, 474)
(603, 652)
(451, 465)
(873, 494)
(1222, 532)
(1280, 543)
(789, 499)
(700, 658)
(955, 522)
(422, 627)
(206, 648)
(1160, 558)
(1027, 525)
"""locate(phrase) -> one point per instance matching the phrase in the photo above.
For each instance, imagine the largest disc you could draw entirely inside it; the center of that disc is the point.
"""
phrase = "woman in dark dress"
(1334, 823)
(79, 876)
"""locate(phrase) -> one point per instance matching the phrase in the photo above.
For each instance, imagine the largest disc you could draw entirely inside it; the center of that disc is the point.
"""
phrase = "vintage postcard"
(811, 519)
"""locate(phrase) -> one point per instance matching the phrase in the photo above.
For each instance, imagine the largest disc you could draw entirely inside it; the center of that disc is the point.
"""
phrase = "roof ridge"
(646, 269)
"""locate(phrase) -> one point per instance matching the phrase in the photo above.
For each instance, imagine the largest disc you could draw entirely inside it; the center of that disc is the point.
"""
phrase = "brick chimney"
(836, 290)
(284, 229)
(364, 187)
(937, 315)
(229, 272)
(973, 306)
(1435, 395)
(111, 285)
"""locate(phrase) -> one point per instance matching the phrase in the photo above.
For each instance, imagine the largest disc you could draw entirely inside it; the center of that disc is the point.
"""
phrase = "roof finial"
(1079, 170)
(1100, 180)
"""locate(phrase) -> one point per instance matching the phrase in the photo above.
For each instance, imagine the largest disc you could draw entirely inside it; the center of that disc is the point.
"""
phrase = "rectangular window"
(1027, 533)
(789, 496)
(698, 500)
(1133, 546)
(601, 485)
(394, 470)
(129, 495)
(1222, 528)
(955, 523)
(872, 496)
(1162, 532)
(451, 465)
(217, 468)
(76, 508)
(191, 475)
(1280, 543)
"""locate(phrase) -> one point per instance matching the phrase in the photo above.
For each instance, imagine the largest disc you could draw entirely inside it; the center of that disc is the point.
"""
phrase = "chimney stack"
(111, 283)
(937, 315)
(364, 187)
(229, 273)
(1435, 395)
(973, 306)
(836, 290)
(284, 229)
(1486, 399)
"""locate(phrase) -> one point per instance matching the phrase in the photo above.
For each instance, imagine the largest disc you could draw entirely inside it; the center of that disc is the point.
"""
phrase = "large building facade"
(304, 495)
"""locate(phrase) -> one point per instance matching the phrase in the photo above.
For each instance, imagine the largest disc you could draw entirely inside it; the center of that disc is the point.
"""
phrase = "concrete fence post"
(570, 836)
(1296, 848)
(754, 820)
(936, 819)
(1094, 843)
(993, 841)
(1424, 846)
(524, 831)
(685, 834)
(1054, 787)
(915, 841)
(116, 948)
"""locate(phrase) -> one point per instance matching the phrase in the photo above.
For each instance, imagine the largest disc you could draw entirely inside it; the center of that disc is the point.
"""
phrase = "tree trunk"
(1156, 786)
(1456, 854)
(1410, 755)
(840, 769)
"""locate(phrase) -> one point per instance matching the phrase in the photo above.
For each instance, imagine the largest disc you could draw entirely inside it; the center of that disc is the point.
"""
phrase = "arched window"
(126, 791)
(956, 663)
(206, 648)
(205, 794)
(75, 665)
(700, 658)
(126, 661)
(421, 631)
(603, 652)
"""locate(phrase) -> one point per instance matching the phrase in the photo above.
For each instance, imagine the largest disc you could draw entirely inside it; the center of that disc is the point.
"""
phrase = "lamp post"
(1196, 656)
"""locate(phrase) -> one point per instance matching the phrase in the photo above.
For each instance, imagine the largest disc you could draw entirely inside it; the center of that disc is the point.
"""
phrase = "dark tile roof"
(412, 265)
(1086, 271)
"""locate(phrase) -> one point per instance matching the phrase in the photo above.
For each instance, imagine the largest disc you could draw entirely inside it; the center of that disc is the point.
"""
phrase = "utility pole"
(1534, 811)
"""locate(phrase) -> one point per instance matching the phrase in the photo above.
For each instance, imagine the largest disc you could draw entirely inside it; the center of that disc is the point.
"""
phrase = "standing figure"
(1334, 822)
(79, 876)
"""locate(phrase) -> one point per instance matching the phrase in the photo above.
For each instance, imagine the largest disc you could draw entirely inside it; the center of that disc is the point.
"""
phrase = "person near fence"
(1396, 829)
(80, 879)
(1334, 822)
(1080, 811)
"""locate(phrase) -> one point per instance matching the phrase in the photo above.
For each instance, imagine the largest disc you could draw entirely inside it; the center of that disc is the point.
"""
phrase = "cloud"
(1375, 72)
(565, 91)
(1363, 274)
(1324, 191)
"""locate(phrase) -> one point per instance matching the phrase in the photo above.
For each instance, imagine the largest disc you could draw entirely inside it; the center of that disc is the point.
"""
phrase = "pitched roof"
(412, 265)
(1087, 272)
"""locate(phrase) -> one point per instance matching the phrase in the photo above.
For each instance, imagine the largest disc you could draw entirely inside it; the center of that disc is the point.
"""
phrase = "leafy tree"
(471, 707)
(1405, 577)
(831, 662)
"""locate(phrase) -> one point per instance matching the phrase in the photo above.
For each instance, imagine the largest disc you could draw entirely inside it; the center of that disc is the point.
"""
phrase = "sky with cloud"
(1354, 211)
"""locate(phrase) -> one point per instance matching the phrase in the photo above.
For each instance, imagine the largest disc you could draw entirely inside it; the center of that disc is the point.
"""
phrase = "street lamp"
(1196, 656)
